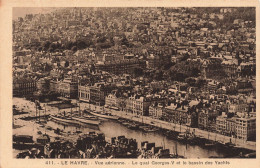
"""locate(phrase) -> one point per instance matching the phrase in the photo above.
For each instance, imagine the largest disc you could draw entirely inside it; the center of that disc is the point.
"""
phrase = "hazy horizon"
(22, 11)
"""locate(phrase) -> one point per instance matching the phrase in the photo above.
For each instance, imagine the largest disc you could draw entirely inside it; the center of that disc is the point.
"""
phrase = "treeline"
(98, 42)
(57, 46)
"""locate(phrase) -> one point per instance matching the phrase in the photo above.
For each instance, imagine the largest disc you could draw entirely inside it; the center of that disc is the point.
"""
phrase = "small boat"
(57, 131)
(191, 138)
(143, 127)
(151, 130)
(210, 144)
(171, 134)
(181, 137)
(78, 132)
(148, 128)
(229, 145)
(104, 115)
(57, 138)
(127, 124)
(250, 155)
(49, 128)
(133, 126)
(121, 120)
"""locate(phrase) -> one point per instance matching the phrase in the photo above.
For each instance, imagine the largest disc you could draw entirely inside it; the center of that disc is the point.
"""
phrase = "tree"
(185, 57)
(200, 83)
(138, 72)
(81, 45)
(158, 75)
(39, 48)
(68, 45)
(190, 81)
(52, 47)
(74, 49)
(167, 66)
(195, 72)
(101, 39)
(66, 64)
(46, 45)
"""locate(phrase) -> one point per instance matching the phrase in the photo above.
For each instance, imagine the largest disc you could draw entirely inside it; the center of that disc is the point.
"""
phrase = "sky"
(22, 11)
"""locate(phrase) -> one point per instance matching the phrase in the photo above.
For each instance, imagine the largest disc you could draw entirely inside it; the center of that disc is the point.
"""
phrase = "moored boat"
(210, 144)
(148, 128)
(133, 126)
(171, 134)
(104, 115)
(250, 155)
(182, 137)
(121, 120)
(87, 120)
(125, 124)
(68, 120)
(229, 145)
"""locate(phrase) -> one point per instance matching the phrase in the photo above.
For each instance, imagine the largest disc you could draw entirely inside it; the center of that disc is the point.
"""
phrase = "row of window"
(84, 95)
(22, 85)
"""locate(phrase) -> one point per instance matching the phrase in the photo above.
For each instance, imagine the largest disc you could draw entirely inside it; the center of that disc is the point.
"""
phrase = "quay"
(156, 123)
(174, 127)
(114, 128)
(182, 128)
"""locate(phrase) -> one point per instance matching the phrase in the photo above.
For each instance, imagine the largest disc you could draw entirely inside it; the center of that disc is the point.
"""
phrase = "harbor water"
(110, 128)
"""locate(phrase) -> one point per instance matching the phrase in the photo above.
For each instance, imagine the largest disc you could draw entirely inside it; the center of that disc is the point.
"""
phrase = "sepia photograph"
(133, 82)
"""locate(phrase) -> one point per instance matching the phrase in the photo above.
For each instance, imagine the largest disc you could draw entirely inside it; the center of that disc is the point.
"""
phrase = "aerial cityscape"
(135, 82)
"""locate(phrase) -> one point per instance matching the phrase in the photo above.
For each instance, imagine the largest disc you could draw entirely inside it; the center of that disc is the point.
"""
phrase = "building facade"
(246, 128)
(24, 87)
(155, 111)
(95, 94)
(68, 88)
(121, 67)
(112, 101)
(177, 115)
(207, 119)
(84, 93)
(238, 127)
